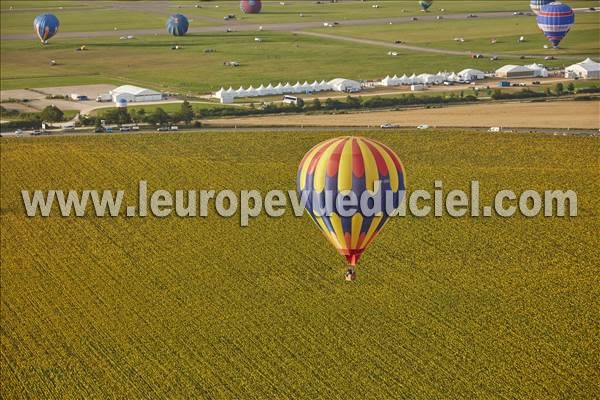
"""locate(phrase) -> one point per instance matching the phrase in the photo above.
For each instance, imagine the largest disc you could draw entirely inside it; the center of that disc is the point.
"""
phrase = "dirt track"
(558, 114)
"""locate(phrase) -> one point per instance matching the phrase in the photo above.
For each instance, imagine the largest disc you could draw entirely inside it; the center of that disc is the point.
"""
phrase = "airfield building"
(134, 94)
(587, 69)
(515, 71)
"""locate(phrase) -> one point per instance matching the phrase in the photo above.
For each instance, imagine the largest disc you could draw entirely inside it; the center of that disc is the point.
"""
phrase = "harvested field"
(511, 115)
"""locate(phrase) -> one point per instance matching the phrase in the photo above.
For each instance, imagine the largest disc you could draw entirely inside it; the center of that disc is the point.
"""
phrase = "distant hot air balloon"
(555, 20)
(537, 4)
(351, 166)
(250, 6)
(177, 25)
(425, 4)
(46, 26)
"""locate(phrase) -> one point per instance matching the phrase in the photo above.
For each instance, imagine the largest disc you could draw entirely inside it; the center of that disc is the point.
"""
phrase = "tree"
(559, 89)
(316, 104)
(52, 114)
(117, 116)
(571, 87)
(159, 116)
(299, 103)
(187, 112)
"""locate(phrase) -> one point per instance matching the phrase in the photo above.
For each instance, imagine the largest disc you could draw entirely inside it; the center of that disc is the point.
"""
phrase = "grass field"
(201, 308)
(107, 15)
(582, 40)
(149, 61)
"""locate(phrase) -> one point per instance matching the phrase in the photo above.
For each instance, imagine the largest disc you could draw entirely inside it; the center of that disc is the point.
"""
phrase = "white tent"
(278, 89)
(297, 88)
(538, 69)
(412, 80)
(427, 79)
(287, 88)
(471, 74)
(387, 81)
(241, 92)
(404, 80)
(251, 92)
(453, 77)
(514, 71)
(587, 69)
(324, 86)
(269, 90)
(344, 85)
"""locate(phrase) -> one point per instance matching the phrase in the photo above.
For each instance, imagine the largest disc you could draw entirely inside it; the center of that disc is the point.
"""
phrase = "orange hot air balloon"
(351, 167)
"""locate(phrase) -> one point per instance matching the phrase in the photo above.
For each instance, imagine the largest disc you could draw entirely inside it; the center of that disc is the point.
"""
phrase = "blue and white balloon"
(177, 25)
(555, 20)
(46, 26)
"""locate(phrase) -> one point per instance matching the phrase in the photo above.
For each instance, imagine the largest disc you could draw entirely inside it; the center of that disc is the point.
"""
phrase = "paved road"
(241, 26)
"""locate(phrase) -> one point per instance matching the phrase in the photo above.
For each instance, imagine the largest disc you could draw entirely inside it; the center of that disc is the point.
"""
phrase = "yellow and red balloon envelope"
(356, 165)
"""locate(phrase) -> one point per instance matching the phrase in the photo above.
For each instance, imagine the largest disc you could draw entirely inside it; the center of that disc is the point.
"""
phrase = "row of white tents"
(466, 75)
(270, 90)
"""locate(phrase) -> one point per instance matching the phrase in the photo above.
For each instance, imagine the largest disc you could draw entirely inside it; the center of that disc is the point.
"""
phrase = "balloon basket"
(350, 275)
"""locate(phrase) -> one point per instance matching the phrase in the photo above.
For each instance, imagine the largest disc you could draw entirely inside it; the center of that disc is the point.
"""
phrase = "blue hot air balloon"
(555, 20)
(177, 25)
(46, 26)
(537, 4)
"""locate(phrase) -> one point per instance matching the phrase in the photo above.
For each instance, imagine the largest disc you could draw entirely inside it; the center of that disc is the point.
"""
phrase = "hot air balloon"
(537, 4)
(555, 20)
(351, 167)
(425, 4)
(250, 6)
(177, 25)
(46, 26)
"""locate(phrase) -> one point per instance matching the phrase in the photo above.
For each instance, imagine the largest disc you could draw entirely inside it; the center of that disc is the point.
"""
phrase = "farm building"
(587, 69)
(344, 85)
(471, 74)
(515, 71)
(133, 94)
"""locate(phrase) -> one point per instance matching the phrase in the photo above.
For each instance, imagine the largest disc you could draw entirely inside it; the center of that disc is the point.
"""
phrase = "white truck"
(104, 97)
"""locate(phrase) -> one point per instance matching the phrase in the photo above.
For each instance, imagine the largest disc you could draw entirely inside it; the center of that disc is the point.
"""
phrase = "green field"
(584, 38)
(149, 61)
(100, 15)
(201, 308)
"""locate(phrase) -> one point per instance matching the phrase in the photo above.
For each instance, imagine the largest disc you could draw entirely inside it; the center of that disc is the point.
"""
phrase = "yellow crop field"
(130, 307)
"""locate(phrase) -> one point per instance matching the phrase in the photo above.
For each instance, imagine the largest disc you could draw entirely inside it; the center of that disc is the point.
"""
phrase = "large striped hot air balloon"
(356, 167)
(177, 25)
(425, 4)
(250, 6)
(537, 4)
(46, 26)
(555, 20)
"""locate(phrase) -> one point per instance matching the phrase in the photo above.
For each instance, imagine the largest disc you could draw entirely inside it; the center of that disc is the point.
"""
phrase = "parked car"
(99, 129)
(125, 129)
(19, 132)
(548, 58)
(162, 129)
(36, 132)
(423, 126)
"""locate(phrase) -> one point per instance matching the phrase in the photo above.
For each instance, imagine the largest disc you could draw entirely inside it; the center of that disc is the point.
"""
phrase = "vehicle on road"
(389, 126)
(36, 132)
(424, 126)
(19, 132)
